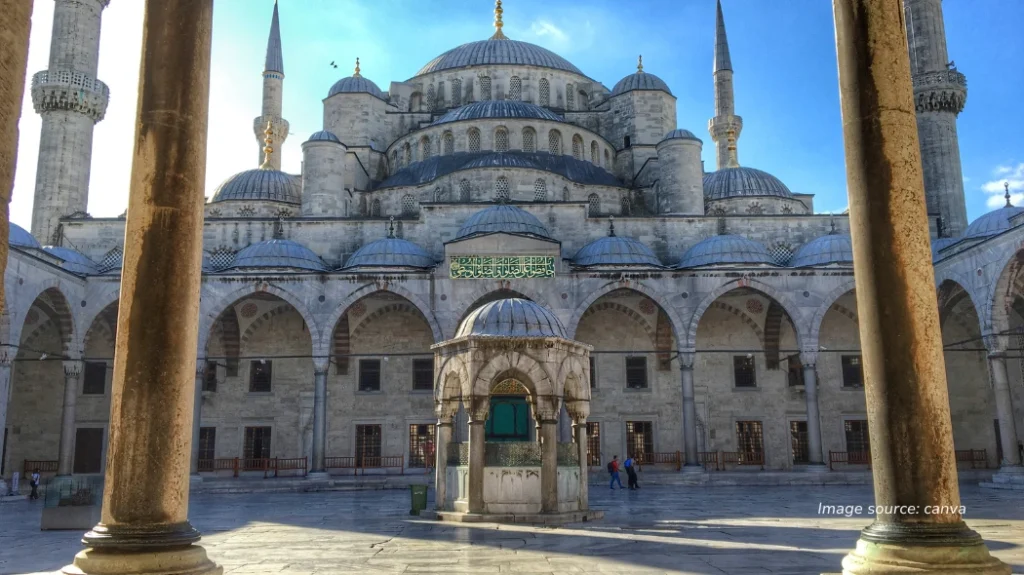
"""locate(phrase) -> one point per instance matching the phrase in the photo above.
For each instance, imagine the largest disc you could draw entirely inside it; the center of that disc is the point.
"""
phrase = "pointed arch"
(690, 341)
(639, 287)
(521, 366)
(210, 312)
(369, 289)
(53, 302)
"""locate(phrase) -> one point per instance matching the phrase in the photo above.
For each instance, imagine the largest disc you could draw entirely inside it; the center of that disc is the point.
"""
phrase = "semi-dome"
(278, 253)
(498, 51)
(498, 109)
(356, 85)
(19, 237)
(740, 182)
(616, 251)
(727, 249)
(640, 80)
(73, 261)
(502, 218)
(992, 223)
(390, 253)
(828, 249)
(324, 136)
(513, 317)
(261, 185)
(680, 134)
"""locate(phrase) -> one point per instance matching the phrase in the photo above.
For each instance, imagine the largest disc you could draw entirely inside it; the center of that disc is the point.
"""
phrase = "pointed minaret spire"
(726, 126)
(1006, 186)
(273, 91)
(275, 60)
(498, 11)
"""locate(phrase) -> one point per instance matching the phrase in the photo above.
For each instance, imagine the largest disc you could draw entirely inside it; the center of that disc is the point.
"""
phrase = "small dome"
(511, 317)
(390, 253)
(939, 244)
(491, 52)
(725, 250)
(19, 237)
(356, 85)
(680, 134)
(502, 219)
(278, 254)
(992, 223)
(261, 185)
(739, 182)
(323, 136)
(616, 251)
(498, 109)
(74, 262)
(640, 81)
(830, 249)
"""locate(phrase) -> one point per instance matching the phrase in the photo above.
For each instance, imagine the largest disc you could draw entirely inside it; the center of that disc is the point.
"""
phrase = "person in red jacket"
(613, 470)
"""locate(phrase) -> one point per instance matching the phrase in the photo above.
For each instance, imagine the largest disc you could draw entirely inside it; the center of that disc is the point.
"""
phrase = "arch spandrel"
(796, 317)
(367, 290)
(211, 312)
(639, 287)
(520, 366)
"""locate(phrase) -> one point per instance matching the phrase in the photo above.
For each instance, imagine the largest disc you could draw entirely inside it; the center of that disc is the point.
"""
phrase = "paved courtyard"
(661, 529)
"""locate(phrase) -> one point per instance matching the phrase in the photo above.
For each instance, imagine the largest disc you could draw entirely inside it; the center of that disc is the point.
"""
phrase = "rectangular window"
(210, 376)
(593, 373)
(368, 445)
(798, 441)
(749, 440)
(853, 375)
(857, 440)
(421, 445)
(88, 450)
(743, 371)
(594, 444)
(95, 382)
(796, 371)
(636, 372)
(259, 375)
(369, 375)
(999, 441)
(207, 441)
(423, 374)
(639, 439)
(257, 443)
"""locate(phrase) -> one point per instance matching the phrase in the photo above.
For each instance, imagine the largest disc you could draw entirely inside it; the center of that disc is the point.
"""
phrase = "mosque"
(501, 198)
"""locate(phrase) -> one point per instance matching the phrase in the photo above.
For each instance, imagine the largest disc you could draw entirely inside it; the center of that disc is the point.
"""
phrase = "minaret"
(71, 100)
(726, 126)
(940, 92)
(273, 88)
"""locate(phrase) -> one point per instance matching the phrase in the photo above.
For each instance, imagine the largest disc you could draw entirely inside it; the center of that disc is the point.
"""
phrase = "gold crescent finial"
(498, 11)
(640, 64)
(268, 150)
(357, 68)
(1006, 186)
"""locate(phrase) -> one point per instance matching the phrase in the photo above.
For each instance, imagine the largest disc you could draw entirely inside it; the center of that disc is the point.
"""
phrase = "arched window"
(529, 140)
(570, 98)
(501, 140)
(565, 193)
(607, 160)
(449, 143)
(594, 205)
(431, 97)
(394, 159)
(408, 205)
(474, 140)
(595, 156)
(425, 147)
(625, 207)
(485, 87)
(456, 92)
(375, 209)
(577, 147)
(464, 191)
(515, 88)
(470, 91)
(584, 100)
(555, 142)
(545, 92)
(540, 190)
(440, 104)
(501, 188)
(407, 159)
(439, 195)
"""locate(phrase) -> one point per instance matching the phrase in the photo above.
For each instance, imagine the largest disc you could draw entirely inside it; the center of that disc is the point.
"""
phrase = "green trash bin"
(419, 499)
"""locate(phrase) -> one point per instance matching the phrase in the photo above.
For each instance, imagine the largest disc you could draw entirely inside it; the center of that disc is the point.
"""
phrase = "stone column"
(6, 355)
(318, 467)
(197, 413)
(144, 525)
(66, 455)
(815, 460)
(549, 466)
(1004, 410)
(444, 437)
(691, 459)
(477, 462)
(912, 455)
(580, 432)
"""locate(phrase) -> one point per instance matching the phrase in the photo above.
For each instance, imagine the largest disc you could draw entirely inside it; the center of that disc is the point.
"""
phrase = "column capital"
(995, 344)
(72, 368)
(321, 365)
(686, 359)
(200, 367)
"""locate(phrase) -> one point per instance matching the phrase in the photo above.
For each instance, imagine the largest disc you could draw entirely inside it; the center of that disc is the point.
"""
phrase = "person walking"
(34, 483)
(630, 465)
(613, 470)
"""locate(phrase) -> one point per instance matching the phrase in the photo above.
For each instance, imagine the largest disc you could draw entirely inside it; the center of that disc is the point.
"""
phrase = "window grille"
(529, 140)
(749, 441)
(431, 97)
(594, 205)
(369, 375)
(639, 439)
(207, 442)
(545, 92)
(464, 191)
(375, 209)
(636, 372)
(625, 208)
(593, 373)
(593, 444)
(485, 87)
(112, 259)
(95, 380)
(540, 190)
(799, 449)
(515, 88)
(368, 445)
(570, 97)
(221, 258)
(743, 371)
(440, 105)
(853, 374)
(257, 443)
(795, 371)
(423, 374)
(260, 373)
(439, 194)
(781, 253)
(595, 155)
(565, 194)
(408, 205)
(424, 148)
(501, 189)
(449, 143)
(577, 147)
(474, 140)
(555, 142)
(421, 445)
(456, 92)
(857, 440)
(501, 140)
(210, 376)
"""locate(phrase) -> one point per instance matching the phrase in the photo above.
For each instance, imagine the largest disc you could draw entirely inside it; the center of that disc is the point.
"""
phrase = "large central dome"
(498, 51)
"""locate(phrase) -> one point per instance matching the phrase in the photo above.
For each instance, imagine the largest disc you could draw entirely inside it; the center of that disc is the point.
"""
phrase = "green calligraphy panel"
(502, 267)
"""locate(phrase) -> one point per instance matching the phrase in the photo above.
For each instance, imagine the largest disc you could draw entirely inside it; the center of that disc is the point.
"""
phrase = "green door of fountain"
(509, 419)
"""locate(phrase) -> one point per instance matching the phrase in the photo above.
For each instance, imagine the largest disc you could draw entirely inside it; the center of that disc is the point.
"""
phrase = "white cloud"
(558, 37)
(1005, 175)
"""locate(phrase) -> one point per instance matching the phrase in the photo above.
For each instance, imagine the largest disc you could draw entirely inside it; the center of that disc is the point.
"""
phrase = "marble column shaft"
(477, 462)
(582, 445)
(444, 437)
(549, 466)
(814, 454)
(689, 413)
(66, 455)
(319, 463)
(1004, 411)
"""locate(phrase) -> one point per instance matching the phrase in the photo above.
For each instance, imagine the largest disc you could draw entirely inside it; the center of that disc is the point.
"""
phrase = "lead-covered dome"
(726, 249)
(278, 253)
(19, 237)
(498, 51)
(498, 109)
(73, 261)
(513, 317)
(261, 185)
(680, 134)
(741, 182)
(502, 219)
(356, 85)
(390, 253)
(616, 251)
(939, 244)
(829, 249)
(992, 223)
(640, 80)
(324, 136)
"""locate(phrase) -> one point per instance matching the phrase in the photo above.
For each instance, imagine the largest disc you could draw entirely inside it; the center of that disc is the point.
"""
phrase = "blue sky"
(783, 54)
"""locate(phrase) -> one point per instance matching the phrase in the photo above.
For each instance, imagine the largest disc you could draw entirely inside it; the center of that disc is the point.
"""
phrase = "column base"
(190, 560)
(882, 559)
(318, 476)
(693, 468)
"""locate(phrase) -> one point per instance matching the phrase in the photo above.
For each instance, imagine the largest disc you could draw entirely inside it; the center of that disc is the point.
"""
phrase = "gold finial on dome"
(268, 150)
(640, 64)
(1006, 186)
(498, 34)
(356, 75)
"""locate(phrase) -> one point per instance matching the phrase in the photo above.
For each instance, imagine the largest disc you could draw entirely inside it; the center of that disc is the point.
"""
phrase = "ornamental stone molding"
(940, 91)
(62, 90)
(72, 369)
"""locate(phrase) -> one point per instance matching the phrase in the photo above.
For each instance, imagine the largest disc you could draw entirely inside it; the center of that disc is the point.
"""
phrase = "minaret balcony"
(69, 91)
(940, 91)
